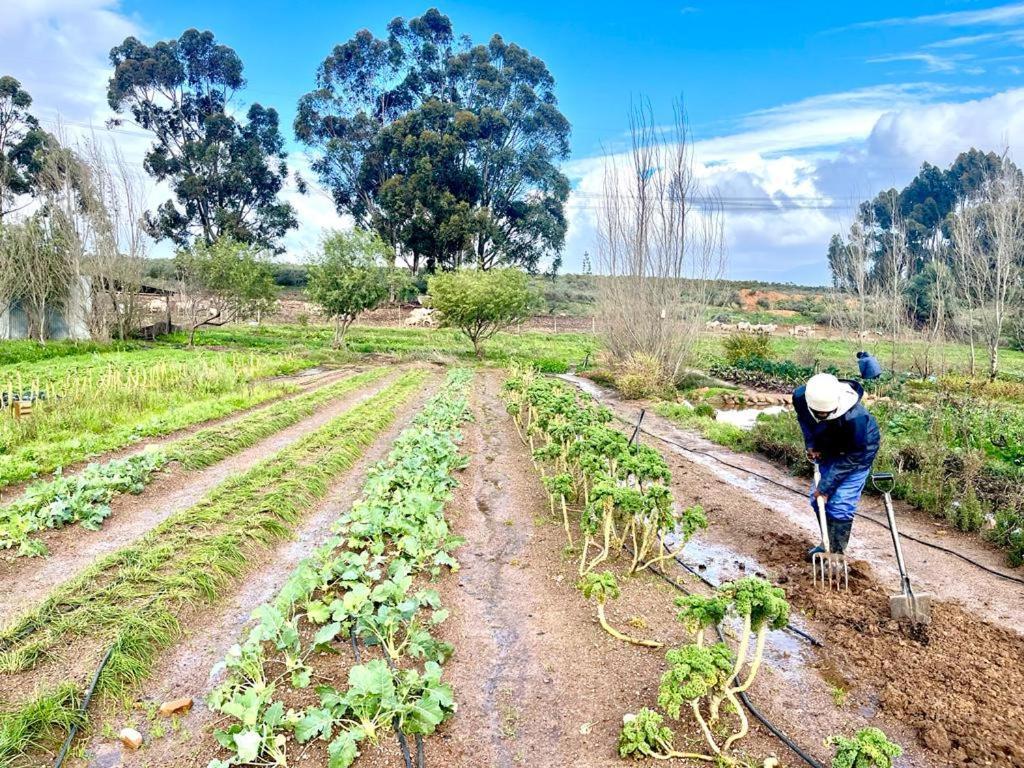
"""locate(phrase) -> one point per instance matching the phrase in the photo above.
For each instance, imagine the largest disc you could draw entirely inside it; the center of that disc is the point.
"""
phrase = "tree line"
(944, 256)
(447, 151)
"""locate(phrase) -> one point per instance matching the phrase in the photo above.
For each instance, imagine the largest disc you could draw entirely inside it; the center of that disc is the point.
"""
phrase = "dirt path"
(951, 694)
(538, 682)
(72, 548)
(185, 670)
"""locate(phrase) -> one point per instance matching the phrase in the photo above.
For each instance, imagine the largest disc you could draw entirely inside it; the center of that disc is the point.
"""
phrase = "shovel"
(906, 605)
(831, 566)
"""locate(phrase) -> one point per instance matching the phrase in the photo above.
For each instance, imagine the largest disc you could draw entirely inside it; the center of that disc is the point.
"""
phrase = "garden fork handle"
(822, 524)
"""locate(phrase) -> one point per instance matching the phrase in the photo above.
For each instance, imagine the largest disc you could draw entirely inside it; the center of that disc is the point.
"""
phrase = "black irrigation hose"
(81, 709)
(800, 492)
(758, 715)
(788, 628)
(419, 751)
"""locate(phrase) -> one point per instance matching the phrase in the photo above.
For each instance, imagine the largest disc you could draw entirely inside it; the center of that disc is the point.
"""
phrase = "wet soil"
(950, 692)
(73, 548)
(538, 682)
(186, 669)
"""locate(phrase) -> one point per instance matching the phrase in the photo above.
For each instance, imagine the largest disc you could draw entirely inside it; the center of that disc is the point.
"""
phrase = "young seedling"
(643, 735)
(869, 748)
(600, 587)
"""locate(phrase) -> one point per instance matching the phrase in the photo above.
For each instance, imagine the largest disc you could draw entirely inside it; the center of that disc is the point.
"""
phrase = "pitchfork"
(831, 566)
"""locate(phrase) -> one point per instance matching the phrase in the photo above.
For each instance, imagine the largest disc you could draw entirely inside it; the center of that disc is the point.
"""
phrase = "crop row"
(129, 601)
(85, 497)
(102, 404)
(363, 589)
(619, 487)
(579, 453)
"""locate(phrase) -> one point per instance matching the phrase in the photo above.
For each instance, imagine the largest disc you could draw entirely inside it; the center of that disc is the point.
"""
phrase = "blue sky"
(824, 103)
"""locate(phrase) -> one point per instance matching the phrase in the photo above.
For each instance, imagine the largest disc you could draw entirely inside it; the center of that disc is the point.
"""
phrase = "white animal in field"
(801, 330)
(712, 325)
(744, 326)
(765, 328)
(421, 316)
(864, 334)
(726, 326)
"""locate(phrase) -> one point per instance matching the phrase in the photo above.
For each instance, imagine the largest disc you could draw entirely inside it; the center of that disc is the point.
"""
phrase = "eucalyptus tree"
(481, 139)
(225, 173)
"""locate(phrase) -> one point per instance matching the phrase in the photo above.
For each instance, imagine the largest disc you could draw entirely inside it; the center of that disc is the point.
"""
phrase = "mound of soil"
(958, 681)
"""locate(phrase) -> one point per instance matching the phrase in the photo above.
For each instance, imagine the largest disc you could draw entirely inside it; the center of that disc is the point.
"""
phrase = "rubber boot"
(809, 557)
(838, 534)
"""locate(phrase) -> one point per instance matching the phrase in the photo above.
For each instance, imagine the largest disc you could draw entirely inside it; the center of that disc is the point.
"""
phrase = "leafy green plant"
(357, 591)
(702, 678)
(745, 346)
(480, 303)
(600, 587)
(869, 748)
(644, 735)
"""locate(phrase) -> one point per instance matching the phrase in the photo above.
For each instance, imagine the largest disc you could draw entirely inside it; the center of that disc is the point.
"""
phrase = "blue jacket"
(869, 366)
(847, 444)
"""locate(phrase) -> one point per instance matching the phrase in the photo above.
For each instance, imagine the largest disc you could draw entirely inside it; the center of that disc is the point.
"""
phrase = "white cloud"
(1010, 13)
(793, 175)
(932, 62)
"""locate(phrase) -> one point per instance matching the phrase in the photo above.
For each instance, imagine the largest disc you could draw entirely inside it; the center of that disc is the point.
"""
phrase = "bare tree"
(661, 244)
(988, 239)
(116, 258)
(851, 263)
(38, 275)
(969, 267)
(895, 266)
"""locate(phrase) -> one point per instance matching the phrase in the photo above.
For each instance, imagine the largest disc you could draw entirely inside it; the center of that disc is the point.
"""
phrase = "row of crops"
(615, 493)
(360, 610)
(98, 403)
(119, 613)
(85, 497)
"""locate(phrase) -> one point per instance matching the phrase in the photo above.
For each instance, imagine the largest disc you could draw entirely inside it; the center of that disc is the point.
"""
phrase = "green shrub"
(704, 409)
(641, 377)
(746, 346)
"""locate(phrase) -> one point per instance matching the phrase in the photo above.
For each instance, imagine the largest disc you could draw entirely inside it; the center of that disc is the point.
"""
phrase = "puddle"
(584, 384)
(744, 418)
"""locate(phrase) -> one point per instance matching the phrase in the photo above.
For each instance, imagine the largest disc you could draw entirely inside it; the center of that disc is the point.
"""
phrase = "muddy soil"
(538, 682)
(950, 692)
(185, 670)
(73, 548)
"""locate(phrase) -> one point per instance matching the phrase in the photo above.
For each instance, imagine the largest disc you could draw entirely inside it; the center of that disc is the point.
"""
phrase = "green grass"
(551, 352)
(101, 402)
(131, 599)
(85, 497)
(843, 354)
(25, 351)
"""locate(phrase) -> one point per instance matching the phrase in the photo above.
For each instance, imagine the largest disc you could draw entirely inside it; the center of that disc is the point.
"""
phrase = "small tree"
(482, 303)
(350, 277)
(223, 282)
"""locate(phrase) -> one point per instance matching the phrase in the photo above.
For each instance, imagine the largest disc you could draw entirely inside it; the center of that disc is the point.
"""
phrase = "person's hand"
(813, 455)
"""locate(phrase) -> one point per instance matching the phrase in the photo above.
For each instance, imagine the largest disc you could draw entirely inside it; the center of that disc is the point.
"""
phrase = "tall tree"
(485, 148)
(226, 174)
(22, 144)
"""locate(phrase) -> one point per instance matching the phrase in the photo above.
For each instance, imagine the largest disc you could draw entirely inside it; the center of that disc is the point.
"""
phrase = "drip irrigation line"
(83, 707)
(419, 751)
(758, 715)
(788, 628)
(800, 492)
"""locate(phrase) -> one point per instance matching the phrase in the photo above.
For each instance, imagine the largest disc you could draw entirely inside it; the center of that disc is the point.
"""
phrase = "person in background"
(842, 438)
(869, 366)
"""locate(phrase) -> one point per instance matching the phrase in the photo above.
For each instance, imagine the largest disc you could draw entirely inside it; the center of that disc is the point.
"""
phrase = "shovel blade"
(916, 609)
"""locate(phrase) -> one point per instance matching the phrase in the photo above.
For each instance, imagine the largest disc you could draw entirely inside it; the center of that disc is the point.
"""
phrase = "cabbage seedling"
(694, 672)
(600, 587)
